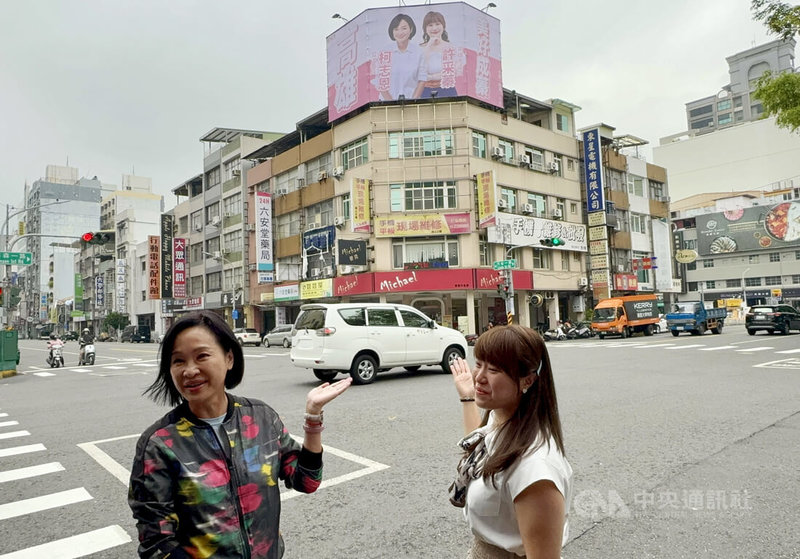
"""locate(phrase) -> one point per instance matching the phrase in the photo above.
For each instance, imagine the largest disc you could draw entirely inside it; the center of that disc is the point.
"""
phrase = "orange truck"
(626, 315)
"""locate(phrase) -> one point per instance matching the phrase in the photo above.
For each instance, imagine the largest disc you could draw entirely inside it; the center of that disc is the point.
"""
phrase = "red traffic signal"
(87, 237)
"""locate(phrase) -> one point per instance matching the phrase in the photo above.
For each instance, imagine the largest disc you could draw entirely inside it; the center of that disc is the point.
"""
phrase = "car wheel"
(450, 355)
(717, 329)
(286, 343)
(266, 342)
(648, 331)
(624, 333)
(601, 336)
(751, 331)
(364, 369)
(785, 328)
(325, 375)
(412, 368)
(675, 333)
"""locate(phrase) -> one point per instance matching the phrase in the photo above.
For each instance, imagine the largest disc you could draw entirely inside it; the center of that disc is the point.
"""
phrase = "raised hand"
(462, 378)
(319, 396)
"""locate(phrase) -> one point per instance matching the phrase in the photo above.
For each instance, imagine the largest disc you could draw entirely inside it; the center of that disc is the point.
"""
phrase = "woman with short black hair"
(205, 476)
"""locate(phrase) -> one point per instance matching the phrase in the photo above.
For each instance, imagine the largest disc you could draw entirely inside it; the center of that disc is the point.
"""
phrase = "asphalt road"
(681, 447)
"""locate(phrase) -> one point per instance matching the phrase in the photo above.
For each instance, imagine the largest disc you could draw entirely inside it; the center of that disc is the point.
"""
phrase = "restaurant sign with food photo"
(747, 229)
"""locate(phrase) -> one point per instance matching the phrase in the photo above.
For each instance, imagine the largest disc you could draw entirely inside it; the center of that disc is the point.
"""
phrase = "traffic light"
(552, 242)
(1, 296)
(504, 288)
(97, 237)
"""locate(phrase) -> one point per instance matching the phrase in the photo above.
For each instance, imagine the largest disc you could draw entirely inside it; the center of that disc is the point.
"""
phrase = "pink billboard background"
(366, 63)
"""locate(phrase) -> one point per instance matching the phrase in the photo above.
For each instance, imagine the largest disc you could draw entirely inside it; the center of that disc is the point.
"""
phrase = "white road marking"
(81, 370)
(718, 348)
(14, 434)
(754, 349)
(45, 502)
(153, 364)
(30, 471)
(114, 367)
(653, 345)
(13, 451)
(687, 346)
(791, 363)
(789, 351)
(44, 374)
(75, 546)
(115, 468)
(9, 423)
(3, 415)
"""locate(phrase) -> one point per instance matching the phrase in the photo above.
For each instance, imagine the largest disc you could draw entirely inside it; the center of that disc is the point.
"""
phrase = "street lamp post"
(744, 291)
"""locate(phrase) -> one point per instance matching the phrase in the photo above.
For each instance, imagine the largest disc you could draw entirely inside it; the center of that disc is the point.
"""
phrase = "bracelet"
(318, 428)
(467, 399)
(313, 418)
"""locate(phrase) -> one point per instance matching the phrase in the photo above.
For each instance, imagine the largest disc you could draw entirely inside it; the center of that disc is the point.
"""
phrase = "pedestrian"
(204, 481)
(514, 481)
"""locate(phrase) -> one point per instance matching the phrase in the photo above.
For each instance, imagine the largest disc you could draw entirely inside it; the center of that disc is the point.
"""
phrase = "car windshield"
(250, 330)
(763, 309)
(688, 308)
(604, 315)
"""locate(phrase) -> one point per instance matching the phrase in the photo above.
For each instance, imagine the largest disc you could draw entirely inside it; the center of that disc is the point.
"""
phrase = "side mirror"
(432, 324)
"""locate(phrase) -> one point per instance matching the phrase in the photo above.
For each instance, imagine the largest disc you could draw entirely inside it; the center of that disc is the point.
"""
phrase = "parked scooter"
(580, 330)
(556, 333)
(55, 357)
(86, 356)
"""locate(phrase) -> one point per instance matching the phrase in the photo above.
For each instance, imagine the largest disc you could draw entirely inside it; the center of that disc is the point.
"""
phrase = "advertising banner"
(422, 224)
(289, 292)
(359, 203)
(352, 253)
(167, 227)
(357, 284)
(99, 291)
(626, 282)
(593, 171)
(153, 267)
(179, 263)
(414, 52)
(263, 224)
(78, 290)
(747, 229)
(423, 280)
(122, 303)
(487, 199)
(520, 230)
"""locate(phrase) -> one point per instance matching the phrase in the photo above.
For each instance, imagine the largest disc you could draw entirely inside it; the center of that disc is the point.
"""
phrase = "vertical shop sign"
(153, 267)
(359, 202)
(167, 224)
(264, 232)
(179, 268)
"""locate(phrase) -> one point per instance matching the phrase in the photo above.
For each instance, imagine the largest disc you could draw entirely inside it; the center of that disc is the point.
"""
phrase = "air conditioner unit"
(524, 159)
(556, 213)
(322, 175)
(553, 167)
(281, 192)
(528, 209)
(338, 221)
(327, 270)
(583, 282)
(536, 167)
(312, 225)
(338, 172)
(215, 220)
(236, 172)
(502, 205)
(498, 153)
(198, 227)
(227, 214)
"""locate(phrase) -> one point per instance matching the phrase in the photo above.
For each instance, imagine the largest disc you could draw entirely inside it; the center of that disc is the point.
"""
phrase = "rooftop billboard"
(745, 229)
(414, 52)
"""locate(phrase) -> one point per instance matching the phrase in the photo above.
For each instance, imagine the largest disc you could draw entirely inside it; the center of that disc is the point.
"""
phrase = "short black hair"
(163, 390)
(396, 21)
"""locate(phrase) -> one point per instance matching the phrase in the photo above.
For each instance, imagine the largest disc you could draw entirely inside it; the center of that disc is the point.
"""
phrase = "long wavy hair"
(518, 352)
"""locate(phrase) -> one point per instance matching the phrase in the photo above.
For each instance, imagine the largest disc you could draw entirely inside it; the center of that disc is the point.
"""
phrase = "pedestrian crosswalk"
(667, 346)
(22, 471)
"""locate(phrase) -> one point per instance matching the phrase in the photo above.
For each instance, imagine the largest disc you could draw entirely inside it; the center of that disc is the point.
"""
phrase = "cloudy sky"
(130, 86)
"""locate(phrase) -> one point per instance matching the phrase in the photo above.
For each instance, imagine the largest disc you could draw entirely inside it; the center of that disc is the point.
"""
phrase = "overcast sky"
(120, 87)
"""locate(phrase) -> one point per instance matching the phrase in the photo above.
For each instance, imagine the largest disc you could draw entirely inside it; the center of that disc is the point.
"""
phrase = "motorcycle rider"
(86, 338)
(54, 341)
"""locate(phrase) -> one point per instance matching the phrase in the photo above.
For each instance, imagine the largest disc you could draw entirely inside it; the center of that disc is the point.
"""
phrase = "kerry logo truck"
(624, 316)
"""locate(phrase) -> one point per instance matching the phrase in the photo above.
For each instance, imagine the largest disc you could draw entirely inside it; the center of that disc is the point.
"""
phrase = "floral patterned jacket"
(194, 498)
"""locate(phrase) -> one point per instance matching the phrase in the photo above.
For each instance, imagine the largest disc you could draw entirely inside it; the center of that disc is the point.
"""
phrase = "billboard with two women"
(414, 52)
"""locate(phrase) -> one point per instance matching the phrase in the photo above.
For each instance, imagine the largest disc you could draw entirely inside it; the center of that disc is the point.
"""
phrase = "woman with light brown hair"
(513, 481)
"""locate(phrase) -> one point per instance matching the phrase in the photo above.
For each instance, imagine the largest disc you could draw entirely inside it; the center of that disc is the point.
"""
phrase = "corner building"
(381, 205)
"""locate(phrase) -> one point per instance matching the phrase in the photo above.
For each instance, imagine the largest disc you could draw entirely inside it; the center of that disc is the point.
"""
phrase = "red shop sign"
(423, 280)
(490, 279)
(355, 284)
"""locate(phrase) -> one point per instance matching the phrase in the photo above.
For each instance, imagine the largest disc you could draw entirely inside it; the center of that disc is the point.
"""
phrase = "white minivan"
(365, 338)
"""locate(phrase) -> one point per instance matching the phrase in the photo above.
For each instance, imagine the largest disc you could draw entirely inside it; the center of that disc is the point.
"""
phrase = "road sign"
(504, 264)
(16, 258)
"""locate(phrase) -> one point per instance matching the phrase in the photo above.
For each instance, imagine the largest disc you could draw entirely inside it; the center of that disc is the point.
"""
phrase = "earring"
(524, 390)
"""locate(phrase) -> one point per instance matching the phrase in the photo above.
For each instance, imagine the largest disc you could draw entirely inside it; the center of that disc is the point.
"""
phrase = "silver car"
(280, 335)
